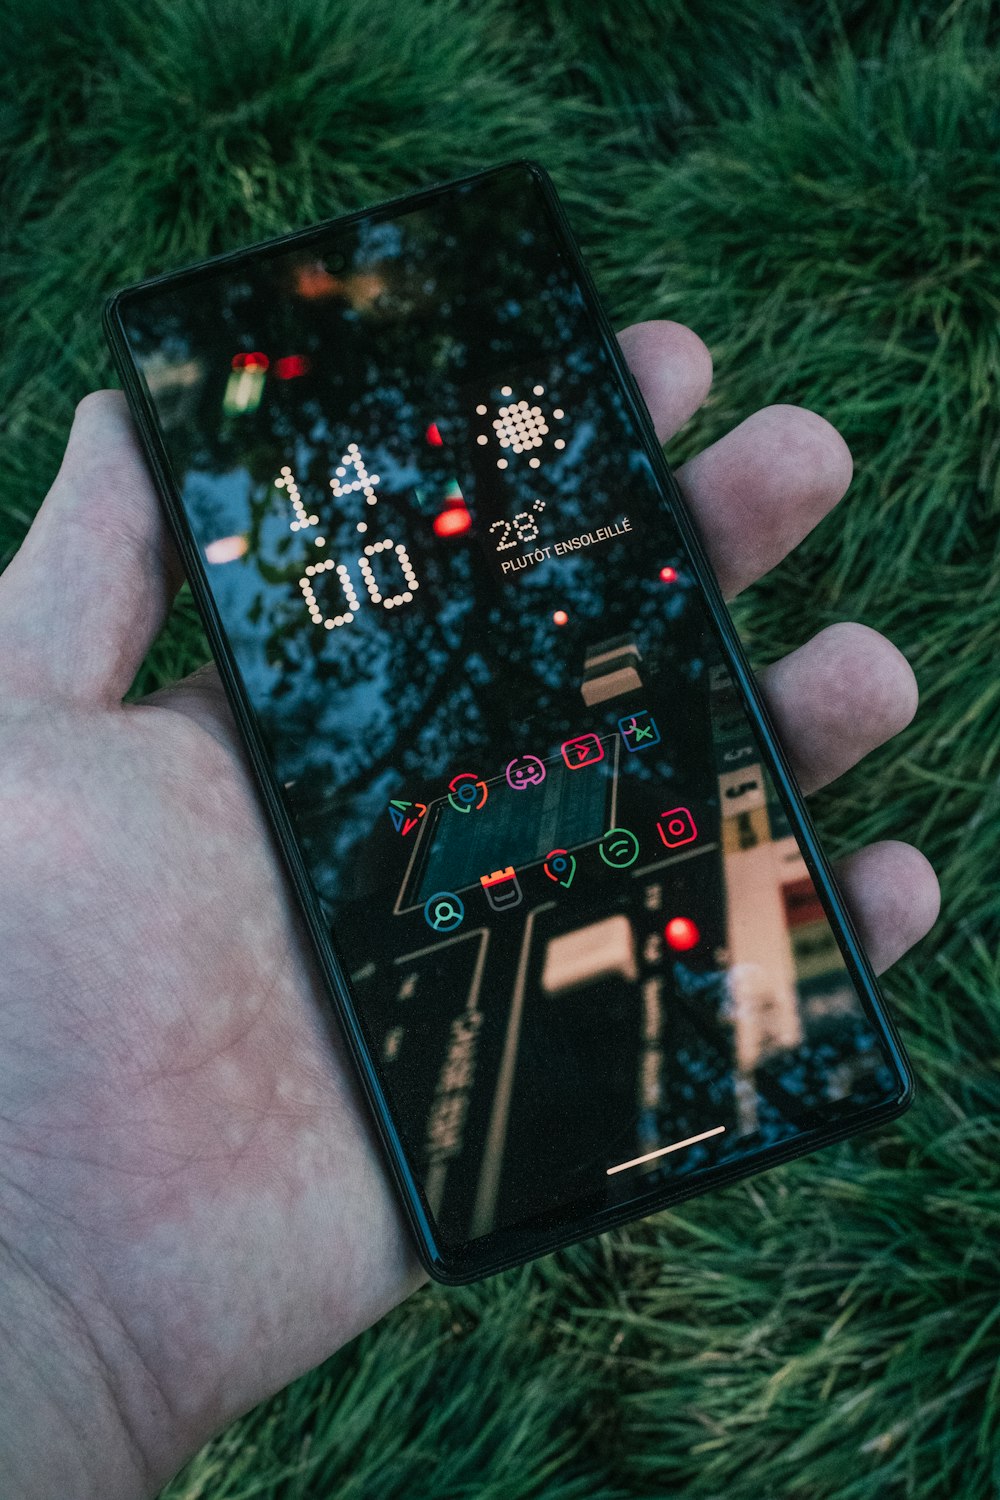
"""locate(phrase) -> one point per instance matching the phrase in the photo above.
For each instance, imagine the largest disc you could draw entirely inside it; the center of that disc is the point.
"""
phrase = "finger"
(673, 369)
(92, 582)
(894, 897)
(763, 487)
(836, 698)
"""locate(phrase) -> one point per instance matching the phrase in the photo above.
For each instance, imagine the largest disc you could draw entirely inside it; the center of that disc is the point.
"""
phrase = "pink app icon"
(676, 827)
(524, 771)
(584, 750)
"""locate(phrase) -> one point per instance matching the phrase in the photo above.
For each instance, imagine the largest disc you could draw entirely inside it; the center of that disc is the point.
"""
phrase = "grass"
(815, 189)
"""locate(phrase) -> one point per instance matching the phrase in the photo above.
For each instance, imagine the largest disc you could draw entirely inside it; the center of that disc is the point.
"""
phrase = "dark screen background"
(532, 1048)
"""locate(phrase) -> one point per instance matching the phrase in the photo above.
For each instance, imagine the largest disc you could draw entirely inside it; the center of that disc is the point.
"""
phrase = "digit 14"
(351, 477)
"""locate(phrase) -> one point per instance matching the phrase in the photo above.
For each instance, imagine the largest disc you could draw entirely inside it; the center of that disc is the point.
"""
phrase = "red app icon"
(584, 750)
(676, 827)
(502, 889)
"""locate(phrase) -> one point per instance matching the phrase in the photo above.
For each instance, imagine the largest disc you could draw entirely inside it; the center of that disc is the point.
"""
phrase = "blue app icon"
(639, 730)
(443, 911)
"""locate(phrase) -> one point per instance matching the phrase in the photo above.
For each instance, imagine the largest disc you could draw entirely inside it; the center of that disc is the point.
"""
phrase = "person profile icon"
(444, 911)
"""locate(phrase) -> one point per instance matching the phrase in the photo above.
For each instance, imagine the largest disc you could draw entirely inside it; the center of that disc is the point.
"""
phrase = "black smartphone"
(587, 953)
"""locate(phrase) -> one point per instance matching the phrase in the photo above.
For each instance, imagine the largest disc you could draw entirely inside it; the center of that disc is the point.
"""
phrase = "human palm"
(187, 1168)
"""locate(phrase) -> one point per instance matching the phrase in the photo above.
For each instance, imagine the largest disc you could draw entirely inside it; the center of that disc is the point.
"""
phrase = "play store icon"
(406, 815)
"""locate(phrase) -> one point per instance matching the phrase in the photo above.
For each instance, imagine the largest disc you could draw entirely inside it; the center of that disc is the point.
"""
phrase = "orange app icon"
(502, 889)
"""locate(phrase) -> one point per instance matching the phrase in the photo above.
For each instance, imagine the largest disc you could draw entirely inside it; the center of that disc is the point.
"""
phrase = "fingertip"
(895, 896)
(761, 488)
(837, 697)
(673, 368)
(102, 451)
(96, 409)
(107, 397)
(816, 444)
(878, 685)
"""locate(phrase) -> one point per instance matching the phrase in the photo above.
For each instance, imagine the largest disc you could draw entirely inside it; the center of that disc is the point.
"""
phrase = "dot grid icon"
(519, 427)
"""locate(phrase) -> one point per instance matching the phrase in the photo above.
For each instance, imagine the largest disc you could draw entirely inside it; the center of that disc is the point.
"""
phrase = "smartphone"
(587, 953)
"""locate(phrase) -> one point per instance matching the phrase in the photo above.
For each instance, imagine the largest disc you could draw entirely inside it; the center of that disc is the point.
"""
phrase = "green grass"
(816, 190)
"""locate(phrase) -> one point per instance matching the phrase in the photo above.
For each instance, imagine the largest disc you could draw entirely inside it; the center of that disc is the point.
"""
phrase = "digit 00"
(374, 587)
(371, 583)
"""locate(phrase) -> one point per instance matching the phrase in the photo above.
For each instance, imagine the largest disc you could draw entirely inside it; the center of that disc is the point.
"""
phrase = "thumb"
(90, 587)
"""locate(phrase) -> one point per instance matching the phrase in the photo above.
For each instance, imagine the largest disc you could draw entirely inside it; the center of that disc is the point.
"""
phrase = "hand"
(193, 1206)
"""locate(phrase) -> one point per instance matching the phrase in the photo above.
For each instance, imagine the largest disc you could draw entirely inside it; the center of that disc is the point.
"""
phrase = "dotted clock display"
(350, 477)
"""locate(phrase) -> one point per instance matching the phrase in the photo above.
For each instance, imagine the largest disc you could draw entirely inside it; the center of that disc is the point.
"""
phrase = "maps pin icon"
(560, 866)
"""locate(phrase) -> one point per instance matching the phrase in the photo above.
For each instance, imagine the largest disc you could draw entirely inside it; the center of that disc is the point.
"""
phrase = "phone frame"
(501, 1249)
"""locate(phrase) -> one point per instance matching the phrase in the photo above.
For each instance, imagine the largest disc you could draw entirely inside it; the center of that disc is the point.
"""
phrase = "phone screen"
(583, 944)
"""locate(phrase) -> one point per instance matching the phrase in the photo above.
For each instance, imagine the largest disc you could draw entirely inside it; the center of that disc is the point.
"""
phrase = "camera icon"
(676, 827)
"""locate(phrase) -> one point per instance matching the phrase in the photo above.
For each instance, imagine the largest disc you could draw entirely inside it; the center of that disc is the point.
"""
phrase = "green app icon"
(619, 848)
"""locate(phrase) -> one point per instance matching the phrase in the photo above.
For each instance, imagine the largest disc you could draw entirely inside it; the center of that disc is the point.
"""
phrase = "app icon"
(639, 730)
(406, 815)
(560, 866)
(502, 889)
(676, 827)
(467, 791)
(619, 848)
(524, 771)
(444, 911)
(585, 750)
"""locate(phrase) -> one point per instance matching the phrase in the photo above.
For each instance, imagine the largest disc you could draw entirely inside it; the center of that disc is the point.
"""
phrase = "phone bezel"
(505, 1248)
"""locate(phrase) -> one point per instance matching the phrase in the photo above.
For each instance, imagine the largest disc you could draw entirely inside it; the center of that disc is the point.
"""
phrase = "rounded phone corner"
(536, 170)
(111, 311)
(440, 1267)
(907, 1090)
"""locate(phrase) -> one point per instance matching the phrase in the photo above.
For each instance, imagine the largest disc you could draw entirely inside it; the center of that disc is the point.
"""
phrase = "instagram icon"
(676, 827)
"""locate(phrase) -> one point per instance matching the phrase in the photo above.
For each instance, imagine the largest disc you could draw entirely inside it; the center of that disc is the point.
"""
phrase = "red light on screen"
(560, 617)
(434, 436)
(254, 361)
(452, 522)
(668, 575)
(290, 366)
(681, 934)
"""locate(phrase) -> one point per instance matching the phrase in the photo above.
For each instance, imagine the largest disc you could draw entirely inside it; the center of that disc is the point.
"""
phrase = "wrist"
(119, 1360)
(64, 1427)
